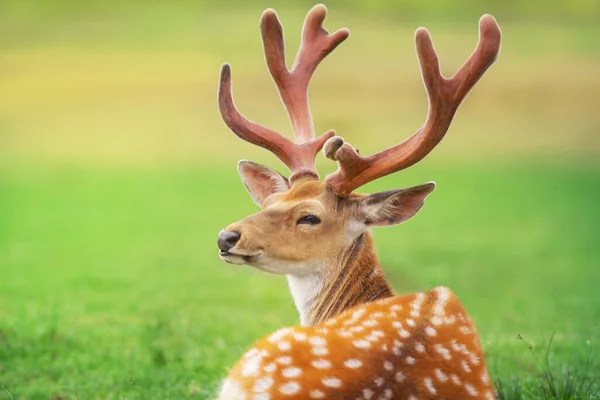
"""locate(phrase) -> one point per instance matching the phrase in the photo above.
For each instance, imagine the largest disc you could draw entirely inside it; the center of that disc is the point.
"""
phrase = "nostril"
(228, 239)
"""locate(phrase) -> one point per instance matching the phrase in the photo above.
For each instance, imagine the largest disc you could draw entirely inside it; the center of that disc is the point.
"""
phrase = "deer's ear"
(394, 206)
(261, 181)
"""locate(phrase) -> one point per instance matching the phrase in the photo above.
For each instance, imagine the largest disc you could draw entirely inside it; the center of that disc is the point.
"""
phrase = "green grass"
(116, 174)
(112, 288)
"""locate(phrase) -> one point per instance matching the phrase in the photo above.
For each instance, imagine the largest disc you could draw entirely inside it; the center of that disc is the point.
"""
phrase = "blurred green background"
(116, 174)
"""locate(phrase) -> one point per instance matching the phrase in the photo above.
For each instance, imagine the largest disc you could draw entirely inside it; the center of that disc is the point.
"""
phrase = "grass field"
(116, 174)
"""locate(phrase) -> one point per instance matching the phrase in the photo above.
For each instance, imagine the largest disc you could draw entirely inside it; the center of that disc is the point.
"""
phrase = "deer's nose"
(228, 239)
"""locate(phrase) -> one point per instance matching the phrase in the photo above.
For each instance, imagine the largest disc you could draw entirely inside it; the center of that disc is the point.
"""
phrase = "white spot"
(379, 381)
(397, 324)
(357, 328)
(330, 322)
(411, 397)
(377, 333)
(361, 344)
(316, 394)
(384, 347)
(489, 396)
(289, 388)
(332, 382)
(323, 331)
(443, 294)
(474, 359)
(251, 366)
(270, 367)
(398, 343)
(286, 360)
(358, 313)
(321, 364)
(410, 322)
(455, 379)
(450, 320)
(396, 307)
(387, 394)
(429, 385)
(369, 323)
(404, 333)
(471, 390)
(343, 333)
(420, 348)
(291, 372)
(465, 330)
(388, 365)
(466, 366)
(317, 341)
(299, 337)
(444, 352)
(464, 349)
(400, 377)
(261, 396)
(232, 390)
(353, 363)
(263, 384)
(278, 335)
(430, 331)
(372, 338)
(320, 351)
(367, 394)
(414, 314)
(283, 345)
(455, 346)
(378, 314)
(416, 303)
(437, 321)
(251, 353)
(485, 378)
(410, 360)
(440, 375)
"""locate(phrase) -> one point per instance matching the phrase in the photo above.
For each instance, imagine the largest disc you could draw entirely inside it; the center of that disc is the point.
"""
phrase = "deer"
(356, 339)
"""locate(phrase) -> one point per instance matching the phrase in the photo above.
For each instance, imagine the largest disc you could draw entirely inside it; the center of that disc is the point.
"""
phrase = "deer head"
(317, 233)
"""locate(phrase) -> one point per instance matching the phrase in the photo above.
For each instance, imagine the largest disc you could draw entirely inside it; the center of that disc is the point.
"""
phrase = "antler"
(445, 95)
(292, 86)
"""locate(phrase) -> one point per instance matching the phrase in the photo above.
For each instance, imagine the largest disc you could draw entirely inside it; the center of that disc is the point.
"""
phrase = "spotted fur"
(387, 358)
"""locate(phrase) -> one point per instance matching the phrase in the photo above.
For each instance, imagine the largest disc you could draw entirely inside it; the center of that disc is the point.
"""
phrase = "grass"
(111, 286)
(116, 175)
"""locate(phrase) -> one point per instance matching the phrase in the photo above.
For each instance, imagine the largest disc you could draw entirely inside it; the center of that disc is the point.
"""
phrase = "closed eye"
(309, 220)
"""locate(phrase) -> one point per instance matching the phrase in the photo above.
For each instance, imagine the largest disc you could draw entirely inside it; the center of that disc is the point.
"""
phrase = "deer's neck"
(354, 278)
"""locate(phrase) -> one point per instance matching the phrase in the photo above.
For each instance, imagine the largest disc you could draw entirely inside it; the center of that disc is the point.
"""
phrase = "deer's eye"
(309, 220)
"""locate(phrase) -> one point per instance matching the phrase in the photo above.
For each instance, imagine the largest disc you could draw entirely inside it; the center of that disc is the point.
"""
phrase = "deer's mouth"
(237, 258)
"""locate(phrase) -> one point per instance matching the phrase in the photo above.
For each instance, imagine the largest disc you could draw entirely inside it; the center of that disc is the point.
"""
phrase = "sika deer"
(357, 341)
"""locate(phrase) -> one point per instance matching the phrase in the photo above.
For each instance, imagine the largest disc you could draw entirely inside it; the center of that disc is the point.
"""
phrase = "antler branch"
(292, 86)
(445, 96)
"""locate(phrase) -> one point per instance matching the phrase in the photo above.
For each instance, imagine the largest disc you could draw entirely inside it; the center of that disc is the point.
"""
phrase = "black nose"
(227, 240)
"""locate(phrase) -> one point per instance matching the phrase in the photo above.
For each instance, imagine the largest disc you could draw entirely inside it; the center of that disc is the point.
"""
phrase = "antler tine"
(298, 158)
(444, 95)
(292, 85)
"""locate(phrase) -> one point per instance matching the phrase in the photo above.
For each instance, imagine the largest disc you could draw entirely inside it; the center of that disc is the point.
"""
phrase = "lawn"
(116, 175)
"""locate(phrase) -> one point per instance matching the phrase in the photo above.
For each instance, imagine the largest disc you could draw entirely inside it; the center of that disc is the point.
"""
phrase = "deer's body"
(357, 341)
(419, 346)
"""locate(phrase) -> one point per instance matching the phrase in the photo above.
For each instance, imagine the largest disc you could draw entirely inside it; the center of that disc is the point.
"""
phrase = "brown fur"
(358, 280)
(338, 252)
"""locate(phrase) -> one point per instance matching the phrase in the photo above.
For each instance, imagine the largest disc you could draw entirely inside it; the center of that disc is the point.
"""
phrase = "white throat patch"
(305, 289)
